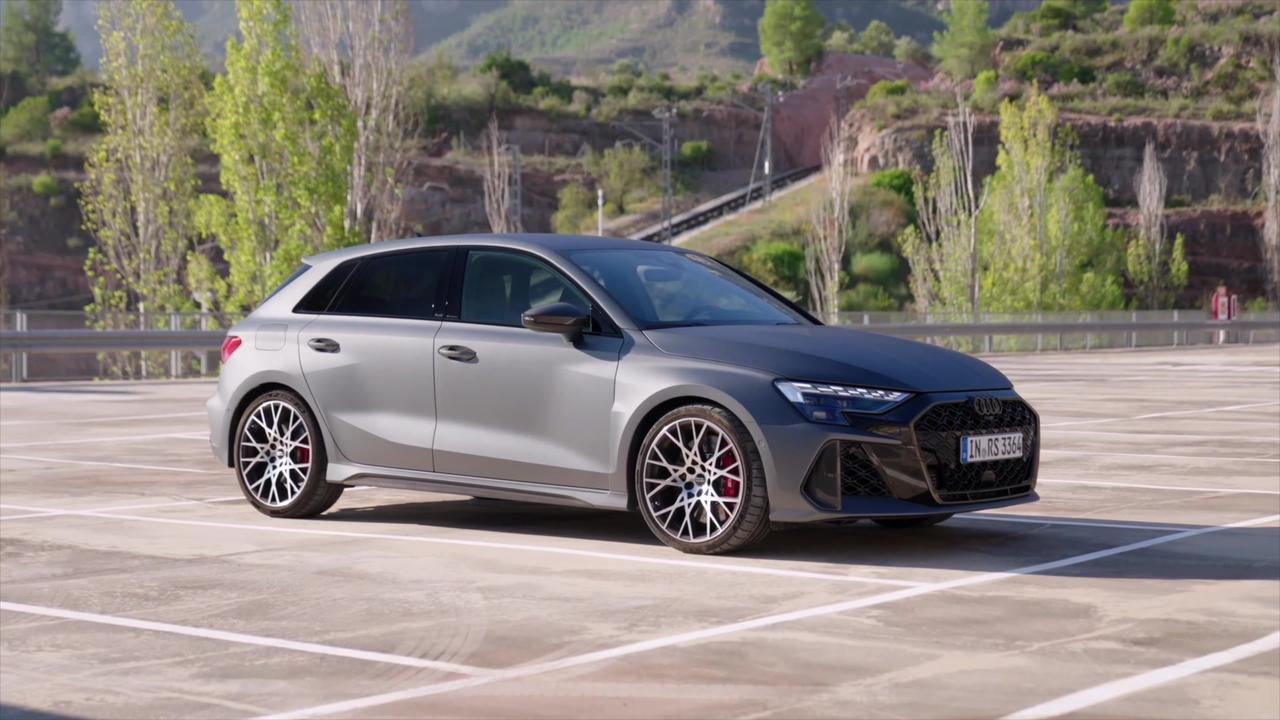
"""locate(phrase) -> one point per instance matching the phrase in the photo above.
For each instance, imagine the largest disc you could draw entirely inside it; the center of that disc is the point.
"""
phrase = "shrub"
(778, 264)
(1142, 13)
(1033, 65)
(515, 72)
(867, 297)
(907, 49)
(986, 84)
(888, 88)
(897, 180)
(574, 212)
(52, 148)
(877, 39)
(1123, 84)
(1176, 55)
(876, 266)
(695, 153)
(27, 121)
(44, 185)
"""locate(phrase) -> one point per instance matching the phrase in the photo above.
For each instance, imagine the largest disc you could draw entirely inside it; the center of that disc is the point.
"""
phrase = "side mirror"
(560, 317)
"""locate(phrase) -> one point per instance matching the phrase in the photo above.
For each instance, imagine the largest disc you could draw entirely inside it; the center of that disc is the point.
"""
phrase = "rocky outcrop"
(1205, 161)
(1222, 245)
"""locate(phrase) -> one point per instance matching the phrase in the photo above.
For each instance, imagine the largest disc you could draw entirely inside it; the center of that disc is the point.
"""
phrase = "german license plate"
(985, 448)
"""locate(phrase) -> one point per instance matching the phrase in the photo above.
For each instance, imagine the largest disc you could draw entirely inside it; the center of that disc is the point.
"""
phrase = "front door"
(368, 358)
(516, 404)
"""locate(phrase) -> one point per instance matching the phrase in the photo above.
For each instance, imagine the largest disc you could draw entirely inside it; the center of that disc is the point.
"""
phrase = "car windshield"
(660, 289)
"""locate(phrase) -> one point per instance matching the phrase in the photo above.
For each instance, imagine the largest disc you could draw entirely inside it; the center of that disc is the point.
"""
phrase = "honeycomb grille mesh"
(938, 433)
(858, 475)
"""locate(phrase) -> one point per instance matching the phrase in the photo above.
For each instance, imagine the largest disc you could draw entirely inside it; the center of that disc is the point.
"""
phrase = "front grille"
(858, 475)
(938, 434)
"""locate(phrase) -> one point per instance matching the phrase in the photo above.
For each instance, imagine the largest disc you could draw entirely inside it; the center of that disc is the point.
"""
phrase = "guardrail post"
(1039, 336)
(1175, 330)
(175, 356)
(142, 325)
(20, 367)
(204, 354)
(1088, 337)
(1133, 335)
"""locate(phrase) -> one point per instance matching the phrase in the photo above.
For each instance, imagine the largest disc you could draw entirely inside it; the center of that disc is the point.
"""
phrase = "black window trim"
(442, 292)
(453, 307)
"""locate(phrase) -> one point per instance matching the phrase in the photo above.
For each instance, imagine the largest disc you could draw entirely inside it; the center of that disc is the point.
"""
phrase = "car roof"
(526, 241)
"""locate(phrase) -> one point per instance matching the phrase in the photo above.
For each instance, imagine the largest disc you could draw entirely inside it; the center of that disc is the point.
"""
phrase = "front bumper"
(902, 463)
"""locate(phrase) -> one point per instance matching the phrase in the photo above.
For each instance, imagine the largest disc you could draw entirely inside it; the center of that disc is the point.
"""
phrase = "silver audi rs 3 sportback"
(605, 373)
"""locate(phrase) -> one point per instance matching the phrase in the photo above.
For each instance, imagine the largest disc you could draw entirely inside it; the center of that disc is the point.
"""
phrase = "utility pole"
(668, 191)
(770, 97)
(665, 114)
(843, 83)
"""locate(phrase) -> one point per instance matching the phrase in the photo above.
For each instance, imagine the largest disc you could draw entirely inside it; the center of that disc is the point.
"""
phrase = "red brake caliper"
(304, 455)
(731, 486)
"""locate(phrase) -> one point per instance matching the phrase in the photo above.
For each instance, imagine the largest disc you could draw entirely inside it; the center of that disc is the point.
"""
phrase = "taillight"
(229, 345)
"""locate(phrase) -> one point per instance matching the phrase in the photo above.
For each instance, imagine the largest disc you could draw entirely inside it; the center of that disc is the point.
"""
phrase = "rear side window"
(318, 299)
(292, 276)
(402, 284)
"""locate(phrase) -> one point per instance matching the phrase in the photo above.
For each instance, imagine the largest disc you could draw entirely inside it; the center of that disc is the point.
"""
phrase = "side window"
(498, 286)
(402, 284)
(318, 298)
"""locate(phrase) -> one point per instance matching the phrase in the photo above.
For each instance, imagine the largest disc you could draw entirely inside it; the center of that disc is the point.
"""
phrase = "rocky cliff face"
(1203, 160)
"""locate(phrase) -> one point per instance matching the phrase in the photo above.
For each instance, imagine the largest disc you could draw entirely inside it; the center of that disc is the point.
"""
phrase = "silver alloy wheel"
(275, 453)
(692, 480)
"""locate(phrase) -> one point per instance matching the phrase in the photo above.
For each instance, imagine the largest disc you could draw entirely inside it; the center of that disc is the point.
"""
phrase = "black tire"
(903, 523)
(751, 523)
(316, 495)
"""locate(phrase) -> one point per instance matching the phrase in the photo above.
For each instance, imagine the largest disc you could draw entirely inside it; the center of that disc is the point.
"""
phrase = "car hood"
(823, 353)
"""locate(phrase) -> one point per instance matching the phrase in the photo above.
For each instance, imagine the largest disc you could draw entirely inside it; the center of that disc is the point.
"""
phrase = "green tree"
(1142, 13)
(140, 180)
(791, 35)
(573, 212)
(1045, 243)
(31, 44)
(964, 48)
(26, 122)
(1157, 279)
(621, 171)
(877, 39)
(284, 137)
(778, 264)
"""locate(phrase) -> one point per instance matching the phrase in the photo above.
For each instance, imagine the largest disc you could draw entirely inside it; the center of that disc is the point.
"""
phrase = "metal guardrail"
(723, 205)
(189, 352)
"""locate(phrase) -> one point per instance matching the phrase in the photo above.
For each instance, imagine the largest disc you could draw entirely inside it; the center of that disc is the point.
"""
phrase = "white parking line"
(1199, 411)
(696, 564)
(108, 464)
(1078, 523)
(1145, 486)
(115, 508)
(1164, 436)
(116, 418)
(234, 637)
(1127, 686)
(350, 706)
(1162, 456)
(115, 439)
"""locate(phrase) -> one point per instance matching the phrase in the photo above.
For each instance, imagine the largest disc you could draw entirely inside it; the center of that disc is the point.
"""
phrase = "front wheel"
(902, 523)
(699, 482)
(280, 460)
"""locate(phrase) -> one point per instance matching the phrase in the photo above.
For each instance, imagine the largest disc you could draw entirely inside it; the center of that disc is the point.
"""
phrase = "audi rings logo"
(985, 405)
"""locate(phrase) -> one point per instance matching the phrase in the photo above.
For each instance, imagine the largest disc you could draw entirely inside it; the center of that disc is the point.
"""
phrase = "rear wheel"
(700, 483)
(911, 522)
(280, 460)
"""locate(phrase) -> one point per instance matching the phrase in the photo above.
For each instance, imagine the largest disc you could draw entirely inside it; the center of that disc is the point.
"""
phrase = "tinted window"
(403, 284)
(669, 289)
(498, 287)
(318, 298)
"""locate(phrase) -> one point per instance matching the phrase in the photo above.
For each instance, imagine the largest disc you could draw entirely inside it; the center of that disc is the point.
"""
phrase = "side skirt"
(344, 474)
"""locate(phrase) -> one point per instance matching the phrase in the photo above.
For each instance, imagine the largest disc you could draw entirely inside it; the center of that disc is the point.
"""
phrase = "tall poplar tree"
(284, 138)
(137, 198)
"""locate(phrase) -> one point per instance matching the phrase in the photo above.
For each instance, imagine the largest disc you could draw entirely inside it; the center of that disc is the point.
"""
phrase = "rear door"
(368, 356)
(516, 404)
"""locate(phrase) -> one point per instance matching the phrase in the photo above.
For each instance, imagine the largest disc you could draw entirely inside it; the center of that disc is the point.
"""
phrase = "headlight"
(828, 403)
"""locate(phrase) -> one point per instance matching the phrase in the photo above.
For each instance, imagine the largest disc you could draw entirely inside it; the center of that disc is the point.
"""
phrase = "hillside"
(573, 37)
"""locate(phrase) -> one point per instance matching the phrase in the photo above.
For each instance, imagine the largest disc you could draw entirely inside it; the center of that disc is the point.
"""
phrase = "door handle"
(324, 345)
(458, 352)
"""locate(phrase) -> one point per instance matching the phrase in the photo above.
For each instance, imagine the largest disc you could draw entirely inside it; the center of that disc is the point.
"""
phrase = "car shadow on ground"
(962, 544)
